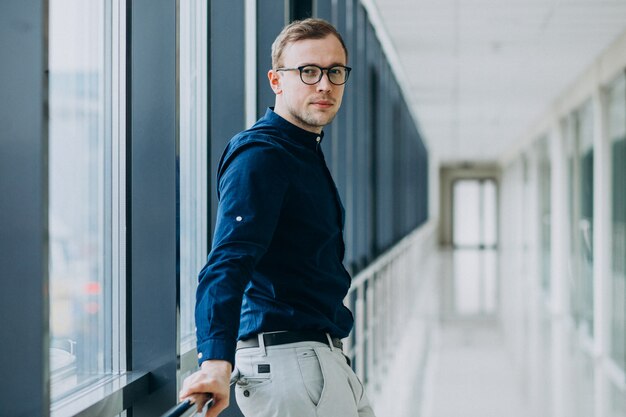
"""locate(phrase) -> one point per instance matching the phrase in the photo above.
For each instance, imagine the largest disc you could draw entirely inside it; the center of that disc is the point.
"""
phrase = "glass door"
(474, 238)
(474, 214)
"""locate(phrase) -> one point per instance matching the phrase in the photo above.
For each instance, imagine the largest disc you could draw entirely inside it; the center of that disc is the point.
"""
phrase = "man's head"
(301, 98)
(300, 30)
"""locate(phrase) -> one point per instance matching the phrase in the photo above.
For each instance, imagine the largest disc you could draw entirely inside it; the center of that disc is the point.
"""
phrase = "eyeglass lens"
(311, 74)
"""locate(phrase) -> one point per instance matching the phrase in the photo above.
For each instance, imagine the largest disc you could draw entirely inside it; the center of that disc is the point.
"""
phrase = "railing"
(382, 298)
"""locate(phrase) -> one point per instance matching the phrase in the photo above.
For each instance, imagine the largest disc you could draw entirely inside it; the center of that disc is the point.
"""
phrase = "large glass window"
(193, 158)
(579, 131)
(617, 134)
(85, 192)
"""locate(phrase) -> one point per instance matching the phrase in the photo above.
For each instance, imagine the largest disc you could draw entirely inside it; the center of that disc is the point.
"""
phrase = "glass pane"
(193, 159)
(466, 226)
(79, 193)
(617, 133)
(490, 237)
(579, 136)
(474, 213)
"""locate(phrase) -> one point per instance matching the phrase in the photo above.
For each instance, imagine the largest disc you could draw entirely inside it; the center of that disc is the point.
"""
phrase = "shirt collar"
(293, 132)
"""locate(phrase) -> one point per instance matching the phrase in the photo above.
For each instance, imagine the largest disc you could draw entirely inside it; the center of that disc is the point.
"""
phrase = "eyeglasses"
(312, 74)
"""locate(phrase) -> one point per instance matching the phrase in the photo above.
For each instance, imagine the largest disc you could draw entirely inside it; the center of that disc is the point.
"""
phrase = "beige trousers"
(304, 379)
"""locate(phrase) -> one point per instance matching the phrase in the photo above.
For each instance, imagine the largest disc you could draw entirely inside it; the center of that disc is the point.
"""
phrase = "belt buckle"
(261, 337)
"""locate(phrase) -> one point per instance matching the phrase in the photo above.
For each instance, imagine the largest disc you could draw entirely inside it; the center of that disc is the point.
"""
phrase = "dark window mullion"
(23, 209)
(152, 281)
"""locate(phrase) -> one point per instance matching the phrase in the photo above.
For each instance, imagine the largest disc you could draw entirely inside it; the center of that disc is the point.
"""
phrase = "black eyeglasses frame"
(322, 69)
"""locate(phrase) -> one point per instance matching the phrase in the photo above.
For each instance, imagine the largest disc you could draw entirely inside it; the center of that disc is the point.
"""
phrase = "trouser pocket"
(255, 380)
(311, 373)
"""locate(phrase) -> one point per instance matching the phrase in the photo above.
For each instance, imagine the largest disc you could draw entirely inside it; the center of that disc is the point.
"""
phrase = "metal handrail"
(381, 298)
(181, 408)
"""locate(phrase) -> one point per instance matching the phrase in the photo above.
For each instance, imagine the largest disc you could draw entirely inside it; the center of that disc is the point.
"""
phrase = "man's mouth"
(323, 103)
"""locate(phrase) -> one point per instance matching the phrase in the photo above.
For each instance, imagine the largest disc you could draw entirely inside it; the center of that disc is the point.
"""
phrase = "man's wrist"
(217, 365)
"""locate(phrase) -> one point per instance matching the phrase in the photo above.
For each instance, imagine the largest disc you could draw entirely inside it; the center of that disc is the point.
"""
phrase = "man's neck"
(287, 116)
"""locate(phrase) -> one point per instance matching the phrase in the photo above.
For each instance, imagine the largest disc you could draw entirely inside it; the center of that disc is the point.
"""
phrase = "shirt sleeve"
(251, 188)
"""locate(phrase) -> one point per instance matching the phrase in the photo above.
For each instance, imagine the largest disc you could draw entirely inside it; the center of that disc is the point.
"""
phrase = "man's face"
(310, 107)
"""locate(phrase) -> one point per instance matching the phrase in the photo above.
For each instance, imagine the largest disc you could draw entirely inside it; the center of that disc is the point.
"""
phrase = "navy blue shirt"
(277, 256)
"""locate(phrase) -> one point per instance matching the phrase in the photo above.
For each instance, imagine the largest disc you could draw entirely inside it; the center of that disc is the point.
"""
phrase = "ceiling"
(480, 73)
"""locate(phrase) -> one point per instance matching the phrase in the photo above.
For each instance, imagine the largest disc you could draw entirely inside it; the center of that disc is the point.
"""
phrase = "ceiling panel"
(481, 72)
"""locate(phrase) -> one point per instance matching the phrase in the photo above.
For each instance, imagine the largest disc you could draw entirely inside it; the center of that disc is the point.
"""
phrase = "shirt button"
(200, 355)
(239, 218)
(318, 139)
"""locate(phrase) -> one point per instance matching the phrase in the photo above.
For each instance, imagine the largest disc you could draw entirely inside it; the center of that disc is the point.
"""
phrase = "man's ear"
(275, 81)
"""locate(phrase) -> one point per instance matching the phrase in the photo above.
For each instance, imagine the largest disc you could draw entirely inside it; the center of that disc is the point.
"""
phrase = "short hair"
(311, 28)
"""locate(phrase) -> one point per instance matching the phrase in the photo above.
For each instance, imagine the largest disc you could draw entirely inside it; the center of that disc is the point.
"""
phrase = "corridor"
(470, 368)
(476, 161)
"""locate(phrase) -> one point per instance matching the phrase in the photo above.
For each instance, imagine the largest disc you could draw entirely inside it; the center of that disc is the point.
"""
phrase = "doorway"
(474, 241)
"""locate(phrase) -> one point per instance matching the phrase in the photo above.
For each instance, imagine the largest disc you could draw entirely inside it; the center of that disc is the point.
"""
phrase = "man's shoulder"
(253, 148)
(253, 136)
(255, 140)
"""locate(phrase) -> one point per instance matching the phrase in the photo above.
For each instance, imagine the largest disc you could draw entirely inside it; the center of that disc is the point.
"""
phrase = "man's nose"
(324, 84)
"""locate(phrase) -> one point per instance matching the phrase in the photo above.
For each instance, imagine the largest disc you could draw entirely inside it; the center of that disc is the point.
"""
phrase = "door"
(475, 239)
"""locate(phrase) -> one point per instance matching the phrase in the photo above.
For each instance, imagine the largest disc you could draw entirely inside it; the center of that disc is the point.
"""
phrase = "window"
(617, 135)
(86, 192)
(579, 131)
(193, 159)
(584, 280)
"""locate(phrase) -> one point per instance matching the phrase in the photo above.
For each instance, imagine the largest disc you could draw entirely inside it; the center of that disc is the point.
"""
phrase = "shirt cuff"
(217, 349)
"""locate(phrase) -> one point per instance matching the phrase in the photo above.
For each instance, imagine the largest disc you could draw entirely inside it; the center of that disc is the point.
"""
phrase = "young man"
(274, 279)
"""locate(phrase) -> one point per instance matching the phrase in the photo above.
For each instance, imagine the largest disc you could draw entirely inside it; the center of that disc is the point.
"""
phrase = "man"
(274, 279)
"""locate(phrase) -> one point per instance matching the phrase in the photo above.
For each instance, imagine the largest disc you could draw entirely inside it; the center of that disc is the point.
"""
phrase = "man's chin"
(324, 119)
(317, 120)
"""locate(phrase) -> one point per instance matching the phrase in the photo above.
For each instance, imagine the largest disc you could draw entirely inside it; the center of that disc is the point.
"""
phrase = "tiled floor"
(468, 371)
(472, 374)
(458, 362)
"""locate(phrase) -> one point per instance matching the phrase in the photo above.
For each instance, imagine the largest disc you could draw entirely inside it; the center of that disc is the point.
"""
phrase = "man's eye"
(336, 71)
(309, 71)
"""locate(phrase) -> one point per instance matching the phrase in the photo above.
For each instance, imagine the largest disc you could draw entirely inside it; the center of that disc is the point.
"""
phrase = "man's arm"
(252, 186)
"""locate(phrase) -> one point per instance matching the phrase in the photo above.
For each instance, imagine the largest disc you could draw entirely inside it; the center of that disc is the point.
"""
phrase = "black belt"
(283, 338)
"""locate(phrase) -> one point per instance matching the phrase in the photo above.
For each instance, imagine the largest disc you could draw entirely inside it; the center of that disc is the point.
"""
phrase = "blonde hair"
(311, 28)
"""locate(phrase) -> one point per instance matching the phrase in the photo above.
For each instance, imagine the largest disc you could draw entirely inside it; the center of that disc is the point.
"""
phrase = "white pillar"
(601, 247)
(250, 70)
(559, 292)
(559, 300)
(532, 244)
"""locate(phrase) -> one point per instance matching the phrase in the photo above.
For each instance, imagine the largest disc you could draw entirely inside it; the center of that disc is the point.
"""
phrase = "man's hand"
(213, 378)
